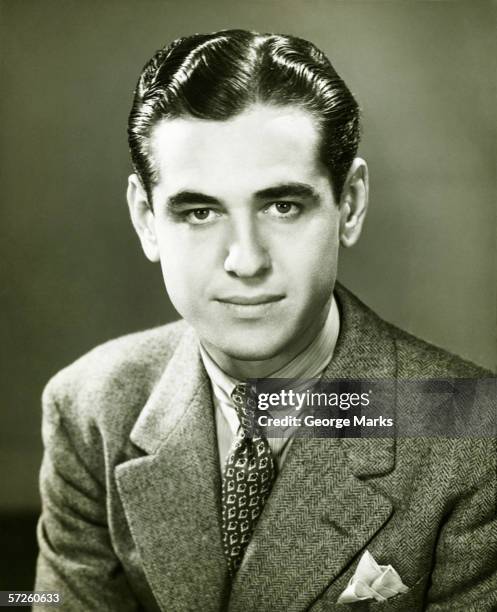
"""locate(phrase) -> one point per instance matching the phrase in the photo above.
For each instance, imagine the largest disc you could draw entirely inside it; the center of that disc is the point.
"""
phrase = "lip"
(250, 308)
(245, 300)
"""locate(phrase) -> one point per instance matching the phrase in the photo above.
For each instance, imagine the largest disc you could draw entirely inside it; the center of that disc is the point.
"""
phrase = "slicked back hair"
(217, 76)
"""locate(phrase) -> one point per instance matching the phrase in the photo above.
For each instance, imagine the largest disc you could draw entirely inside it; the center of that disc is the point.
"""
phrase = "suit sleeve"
(465, 573)
(76, 556)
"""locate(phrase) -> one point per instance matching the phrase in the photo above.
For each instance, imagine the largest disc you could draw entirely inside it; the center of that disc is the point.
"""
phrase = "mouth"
(256, 300)
(250, 307)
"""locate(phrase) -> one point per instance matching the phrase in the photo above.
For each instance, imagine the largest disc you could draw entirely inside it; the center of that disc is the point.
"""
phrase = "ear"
(354, 202)
(142, 217)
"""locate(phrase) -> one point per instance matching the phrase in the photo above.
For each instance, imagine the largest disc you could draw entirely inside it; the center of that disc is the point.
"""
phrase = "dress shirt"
(308, 364)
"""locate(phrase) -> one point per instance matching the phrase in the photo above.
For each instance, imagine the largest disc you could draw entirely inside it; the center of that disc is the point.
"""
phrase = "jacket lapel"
(171, 496)
(322, 511)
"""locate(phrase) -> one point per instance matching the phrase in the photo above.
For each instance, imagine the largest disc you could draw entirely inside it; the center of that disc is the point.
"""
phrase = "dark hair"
(216, 76)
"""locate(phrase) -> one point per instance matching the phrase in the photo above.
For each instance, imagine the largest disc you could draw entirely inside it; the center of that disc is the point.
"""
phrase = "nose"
(247, 255)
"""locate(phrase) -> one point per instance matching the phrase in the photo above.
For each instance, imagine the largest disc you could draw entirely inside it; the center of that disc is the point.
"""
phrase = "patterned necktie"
(248, 475)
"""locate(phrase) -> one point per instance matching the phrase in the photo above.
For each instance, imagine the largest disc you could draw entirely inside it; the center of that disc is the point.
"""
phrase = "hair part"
(217, 76)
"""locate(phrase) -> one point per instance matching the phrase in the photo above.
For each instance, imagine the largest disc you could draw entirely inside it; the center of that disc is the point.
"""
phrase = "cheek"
(315, 252)
(182, 278)
(184, 266)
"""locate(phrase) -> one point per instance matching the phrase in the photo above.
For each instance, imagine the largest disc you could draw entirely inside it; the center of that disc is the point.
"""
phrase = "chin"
(254, 349)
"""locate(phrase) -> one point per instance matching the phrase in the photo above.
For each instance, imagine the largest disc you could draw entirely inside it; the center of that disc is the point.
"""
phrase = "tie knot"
(244, 403)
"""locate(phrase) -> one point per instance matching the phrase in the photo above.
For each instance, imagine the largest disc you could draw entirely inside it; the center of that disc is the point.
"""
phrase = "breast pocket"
(412, 601)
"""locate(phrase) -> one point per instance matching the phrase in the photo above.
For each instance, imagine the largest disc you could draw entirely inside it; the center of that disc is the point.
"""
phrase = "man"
(246, 183)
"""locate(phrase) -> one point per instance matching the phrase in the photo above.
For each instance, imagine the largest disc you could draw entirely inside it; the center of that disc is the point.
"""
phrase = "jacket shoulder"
(416, 358)
(419, 358)
(125, 369)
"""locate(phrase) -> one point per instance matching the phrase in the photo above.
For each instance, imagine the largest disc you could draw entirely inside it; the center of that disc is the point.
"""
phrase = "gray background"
(72, 271)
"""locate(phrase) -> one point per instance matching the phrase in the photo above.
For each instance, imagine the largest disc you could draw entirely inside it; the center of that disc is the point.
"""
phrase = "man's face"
(246, 230)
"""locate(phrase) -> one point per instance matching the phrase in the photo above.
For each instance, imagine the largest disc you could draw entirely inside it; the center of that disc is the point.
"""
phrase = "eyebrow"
(288, 190)
(283, 190)
(183, 198)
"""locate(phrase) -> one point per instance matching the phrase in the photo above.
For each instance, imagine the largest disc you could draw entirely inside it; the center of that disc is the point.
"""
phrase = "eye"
(282, 210)
(200, 216)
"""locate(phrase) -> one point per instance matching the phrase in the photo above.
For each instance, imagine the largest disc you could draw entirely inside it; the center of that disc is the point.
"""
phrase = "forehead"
(262, 145)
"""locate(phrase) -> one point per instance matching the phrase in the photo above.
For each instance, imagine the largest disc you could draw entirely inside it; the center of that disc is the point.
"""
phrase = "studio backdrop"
(73, 274)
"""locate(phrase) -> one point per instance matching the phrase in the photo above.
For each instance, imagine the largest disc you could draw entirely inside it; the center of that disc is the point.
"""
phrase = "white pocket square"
(372, 581)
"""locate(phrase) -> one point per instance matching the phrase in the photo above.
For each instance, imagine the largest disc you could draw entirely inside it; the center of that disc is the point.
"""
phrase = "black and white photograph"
(249, 305)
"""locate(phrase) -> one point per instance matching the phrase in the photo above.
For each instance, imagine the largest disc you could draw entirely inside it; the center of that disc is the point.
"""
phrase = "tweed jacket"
(131, 488)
